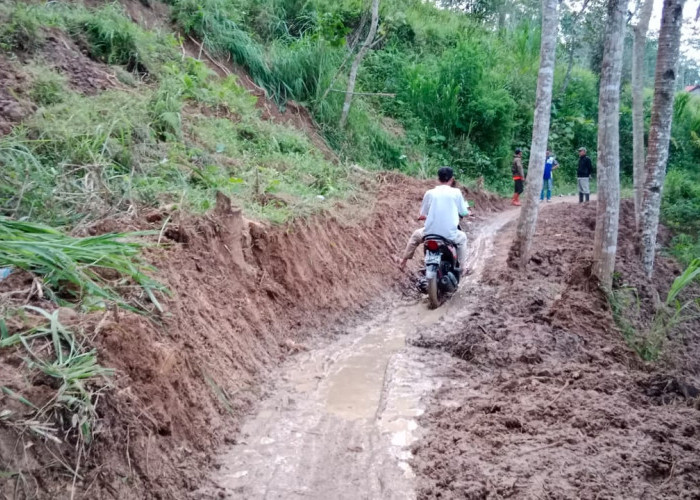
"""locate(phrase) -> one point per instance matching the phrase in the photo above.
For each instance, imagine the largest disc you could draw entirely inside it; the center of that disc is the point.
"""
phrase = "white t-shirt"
(442, 206)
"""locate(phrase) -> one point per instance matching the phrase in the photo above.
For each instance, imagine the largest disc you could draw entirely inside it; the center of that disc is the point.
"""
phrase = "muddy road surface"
(344, 413)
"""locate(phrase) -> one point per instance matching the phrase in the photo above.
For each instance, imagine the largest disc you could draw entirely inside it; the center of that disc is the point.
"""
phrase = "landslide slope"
(111, 122)
(553, 398)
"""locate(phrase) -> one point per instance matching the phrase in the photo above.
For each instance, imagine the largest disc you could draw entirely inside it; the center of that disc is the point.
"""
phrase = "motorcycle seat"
(438, 237)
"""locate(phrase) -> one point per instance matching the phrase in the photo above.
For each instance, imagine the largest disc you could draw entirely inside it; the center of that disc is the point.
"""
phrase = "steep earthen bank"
(245, 295)
(550, 402)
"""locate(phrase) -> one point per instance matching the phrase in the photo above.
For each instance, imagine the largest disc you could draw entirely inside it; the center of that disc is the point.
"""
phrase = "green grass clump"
(111, 37)
(73, 159)
(19, 29)
(648, 343)
(685, 248)
(278, 174)
(680, 211)
(165, 110)
(95, 270)
(47, 87)
(107, 33)
(79, 380)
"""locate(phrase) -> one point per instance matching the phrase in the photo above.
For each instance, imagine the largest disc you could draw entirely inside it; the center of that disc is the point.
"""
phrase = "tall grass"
(288, 69)
(73, 158)
(649, 342)
(93, 270)
(106, 33)
(20, 30)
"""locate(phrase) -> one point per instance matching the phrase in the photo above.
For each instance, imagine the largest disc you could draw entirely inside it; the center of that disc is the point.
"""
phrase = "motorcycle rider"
(441, 209)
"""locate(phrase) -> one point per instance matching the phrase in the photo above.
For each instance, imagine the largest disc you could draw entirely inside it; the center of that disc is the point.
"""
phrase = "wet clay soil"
(344, 415)
(246, 295)
(547, 400)
(520, 386)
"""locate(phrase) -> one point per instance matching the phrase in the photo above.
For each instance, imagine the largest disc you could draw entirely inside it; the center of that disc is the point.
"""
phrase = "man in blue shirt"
(550, 164)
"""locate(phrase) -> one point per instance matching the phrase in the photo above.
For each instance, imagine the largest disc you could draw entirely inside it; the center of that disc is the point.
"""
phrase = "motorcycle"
(442, 269)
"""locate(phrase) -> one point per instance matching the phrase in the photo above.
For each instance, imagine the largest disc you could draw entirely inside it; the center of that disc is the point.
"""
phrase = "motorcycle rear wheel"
(433, 298)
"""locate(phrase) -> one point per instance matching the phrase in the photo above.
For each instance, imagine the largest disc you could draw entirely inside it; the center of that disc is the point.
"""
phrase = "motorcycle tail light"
(432, 245)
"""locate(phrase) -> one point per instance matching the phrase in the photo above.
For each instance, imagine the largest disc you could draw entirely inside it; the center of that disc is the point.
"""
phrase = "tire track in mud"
(343, 415)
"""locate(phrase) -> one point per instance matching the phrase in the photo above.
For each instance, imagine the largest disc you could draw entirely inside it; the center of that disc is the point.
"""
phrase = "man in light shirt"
(441, 209)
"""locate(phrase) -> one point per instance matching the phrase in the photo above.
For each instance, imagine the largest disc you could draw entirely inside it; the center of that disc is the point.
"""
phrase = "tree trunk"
(608, 209)
(540, 132)
(640, 39)
(569, 67)
(356, 63)
(572, 48)
(660, 129)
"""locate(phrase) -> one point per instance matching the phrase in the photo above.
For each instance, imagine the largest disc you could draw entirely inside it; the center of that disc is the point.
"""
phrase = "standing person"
(585, 169)
(441, 209)
(518, 176)
(550, 164)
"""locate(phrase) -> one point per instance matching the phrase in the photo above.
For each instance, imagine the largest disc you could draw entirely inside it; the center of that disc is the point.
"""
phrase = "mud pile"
(550, 402)
(246, 295)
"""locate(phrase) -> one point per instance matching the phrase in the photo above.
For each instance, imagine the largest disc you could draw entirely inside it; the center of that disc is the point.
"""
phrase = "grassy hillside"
(149, 126)
(464, 86)
(106, 117)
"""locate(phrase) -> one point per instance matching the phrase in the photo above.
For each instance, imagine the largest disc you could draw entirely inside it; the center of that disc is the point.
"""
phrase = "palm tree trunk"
(608, 209)
(540, 132)
(640, 39)
(660, 129)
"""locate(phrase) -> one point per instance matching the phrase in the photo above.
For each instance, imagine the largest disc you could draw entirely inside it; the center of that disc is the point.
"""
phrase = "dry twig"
(566, 384)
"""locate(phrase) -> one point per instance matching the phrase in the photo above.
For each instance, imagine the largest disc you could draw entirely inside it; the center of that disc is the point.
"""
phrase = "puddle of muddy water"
(353, 387)
(343, 416)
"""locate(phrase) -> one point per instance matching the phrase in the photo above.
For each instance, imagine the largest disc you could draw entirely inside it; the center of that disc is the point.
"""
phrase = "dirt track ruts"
(343, 415)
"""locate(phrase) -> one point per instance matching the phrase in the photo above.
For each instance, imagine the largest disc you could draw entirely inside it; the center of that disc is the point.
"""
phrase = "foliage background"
(463, 76)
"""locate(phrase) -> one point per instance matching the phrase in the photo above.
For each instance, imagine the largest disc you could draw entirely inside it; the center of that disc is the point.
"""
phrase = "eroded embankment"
(341, 418)
(551, 402)
(245, 296)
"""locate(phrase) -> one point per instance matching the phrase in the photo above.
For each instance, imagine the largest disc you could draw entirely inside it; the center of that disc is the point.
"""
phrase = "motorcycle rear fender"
(431, 271)
(432, 263)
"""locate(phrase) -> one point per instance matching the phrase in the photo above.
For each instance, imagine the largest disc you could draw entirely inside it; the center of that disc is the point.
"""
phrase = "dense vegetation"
(170, 133)
(463, 89)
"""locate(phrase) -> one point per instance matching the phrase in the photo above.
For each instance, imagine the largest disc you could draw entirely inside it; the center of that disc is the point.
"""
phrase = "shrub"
(47, 87)
(20, 29)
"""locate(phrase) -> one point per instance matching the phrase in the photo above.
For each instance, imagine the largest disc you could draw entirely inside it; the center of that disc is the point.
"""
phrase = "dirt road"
(520, 386)
(343, 415)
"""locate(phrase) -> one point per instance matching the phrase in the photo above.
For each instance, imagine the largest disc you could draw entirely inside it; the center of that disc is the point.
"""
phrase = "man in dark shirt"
(518, 176)
(585, 169)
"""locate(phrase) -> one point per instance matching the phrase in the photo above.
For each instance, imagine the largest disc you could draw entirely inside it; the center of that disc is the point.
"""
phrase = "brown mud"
(548, 401)
(342, 416)
(15, 103)
(246, 296)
